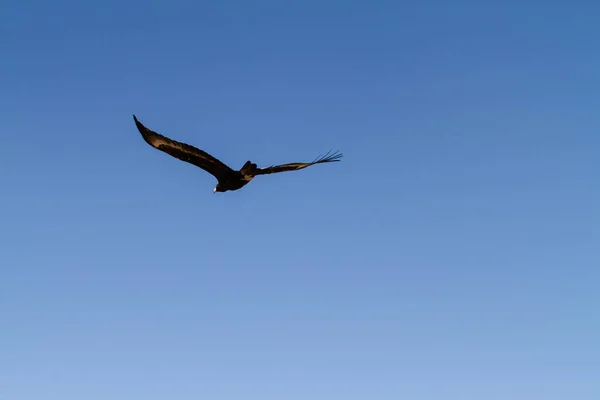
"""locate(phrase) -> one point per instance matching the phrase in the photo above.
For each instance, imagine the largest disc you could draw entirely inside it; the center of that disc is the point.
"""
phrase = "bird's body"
(228, 178)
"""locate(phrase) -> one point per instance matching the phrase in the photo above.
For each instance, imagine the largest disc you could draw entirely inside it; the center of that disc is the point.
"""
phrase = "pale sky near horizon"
(454, 253)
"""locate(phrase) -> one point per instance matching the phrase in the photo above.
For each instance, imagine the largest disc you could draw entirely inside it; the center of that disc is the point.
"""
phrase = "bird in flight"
(227, 178)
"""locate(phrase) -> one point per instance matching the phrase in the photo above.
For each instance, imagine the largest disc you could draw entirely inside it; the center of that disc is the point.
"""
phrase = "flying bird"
(227, 178)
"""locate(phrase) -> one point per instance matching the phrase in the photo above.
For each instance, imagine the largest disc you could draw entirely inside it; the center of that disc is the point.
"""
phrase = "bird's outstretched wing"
(184, 152)
(296, 166)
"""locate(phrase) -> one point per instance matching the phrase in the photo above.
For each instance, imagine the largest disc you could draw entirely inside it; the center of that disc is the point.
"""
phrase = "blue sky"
(454, 253)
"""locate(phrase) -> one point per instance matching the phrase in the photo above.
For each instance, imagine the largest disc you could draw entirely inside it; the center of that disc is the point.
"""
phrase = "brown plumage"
(227, 178)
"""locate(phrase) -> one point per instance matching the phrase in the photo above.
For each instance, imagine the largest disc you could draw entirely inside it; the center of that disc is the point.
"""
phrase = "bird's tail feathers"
(249, 168)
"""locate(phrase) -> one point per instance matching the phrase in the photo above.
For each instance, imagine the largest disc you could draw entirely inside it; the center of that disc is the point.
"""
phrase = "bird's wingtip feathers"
(329, 157)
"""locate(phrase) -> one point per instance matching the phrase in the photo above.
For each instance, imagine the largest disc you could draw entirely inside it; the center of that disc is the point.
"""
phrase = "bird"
(228, 179)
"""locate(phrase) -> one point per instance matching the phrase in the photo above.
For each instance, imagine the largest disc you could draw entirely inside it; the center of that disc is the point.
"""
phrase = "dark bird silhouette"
(227, 178)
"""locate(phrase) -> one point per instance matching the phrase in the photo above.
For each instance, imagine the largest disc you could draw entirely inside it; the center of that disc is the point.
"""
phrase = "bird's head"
(219, 188)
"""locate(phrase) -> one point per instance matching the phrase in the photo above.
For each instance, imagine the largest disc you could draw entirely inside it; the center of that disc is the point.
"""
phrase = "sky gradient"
(454, 253)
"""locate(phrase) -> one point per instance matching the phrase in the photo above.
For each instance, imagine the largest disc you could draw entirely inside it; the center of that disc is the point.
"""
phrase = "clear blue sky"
(453, 254)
